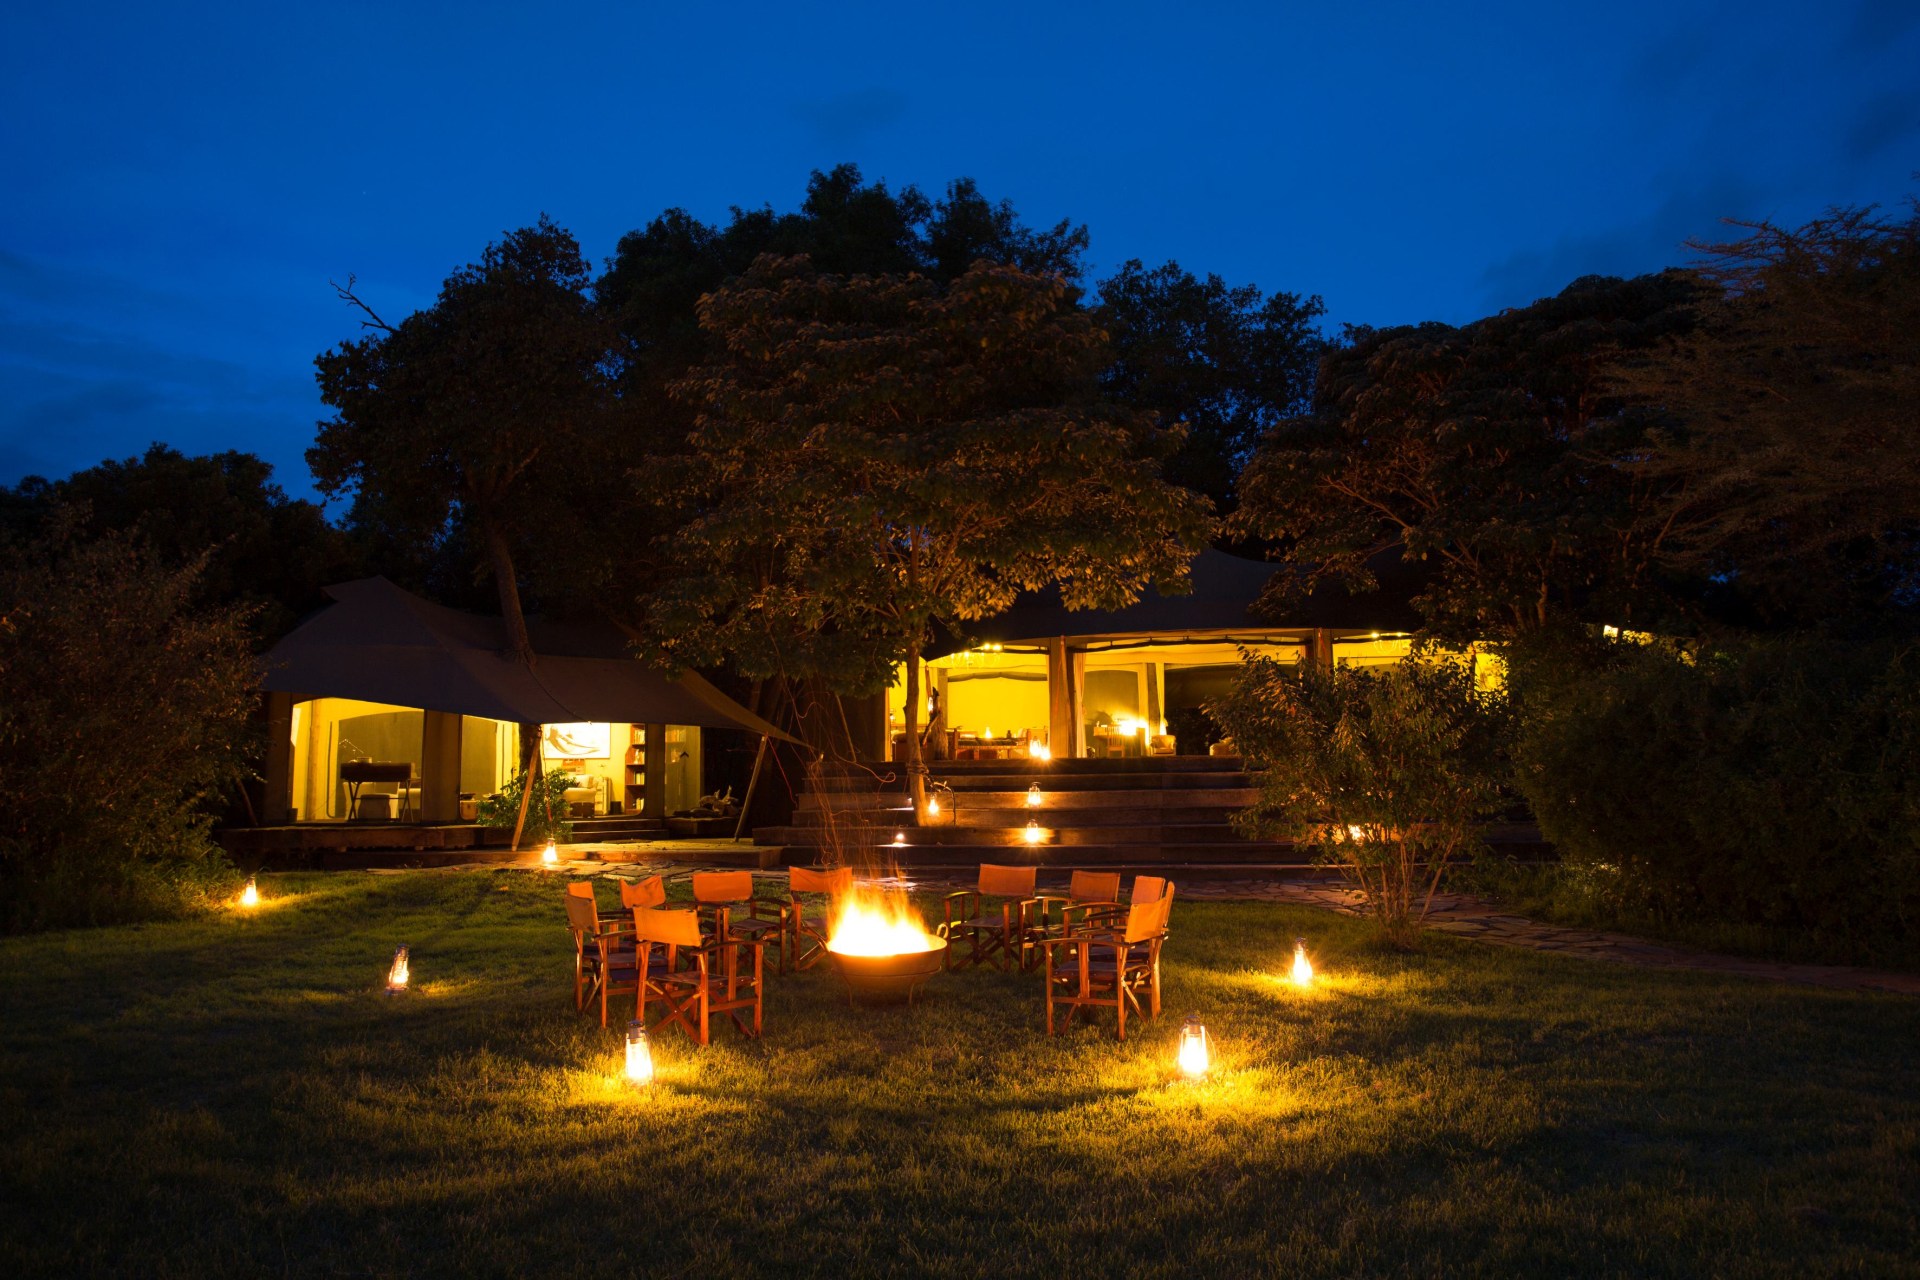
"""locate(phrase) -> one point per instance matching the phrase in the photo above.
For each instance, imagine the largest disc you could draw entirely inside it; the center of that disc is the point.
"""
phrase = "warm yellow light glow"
(1034, 834)
(1129, 727)
(639, 1055)
(899, 838)
(933, 806)
(872, 923)
(1355, 832)
(1302, 967)
(1033, 796)
(250, 896)
(1039, 751)
(1194, 1052)
(550, 855)
(397, 974)
(986, 733)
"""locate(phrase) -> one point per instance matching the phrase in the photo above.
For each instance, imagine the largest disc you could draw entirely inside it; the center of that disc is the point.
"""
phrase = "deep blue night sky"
(183, 180)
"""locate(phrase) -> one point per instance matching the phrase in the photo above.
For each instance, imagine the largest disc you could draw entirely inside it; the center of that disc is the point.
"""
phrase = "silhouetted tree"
(1231, 363)
(485, 416)
(261, 549)
(1499, 453)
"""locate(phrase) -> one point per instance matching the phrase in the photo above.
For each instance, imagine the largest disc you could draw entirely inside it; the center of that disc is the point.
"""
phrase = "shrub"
(122, 709)
(546, 810)
(1386, 773)
(1771, 782)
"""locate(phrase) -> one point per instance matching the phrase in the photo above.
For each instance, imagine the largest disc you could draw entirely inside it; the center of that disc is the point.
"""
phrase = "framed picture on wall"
(578, 741)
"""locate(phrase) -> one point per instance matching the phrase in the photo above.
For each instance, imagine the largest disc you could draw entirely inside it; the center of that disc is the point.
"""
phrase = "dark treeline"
(1718, 458)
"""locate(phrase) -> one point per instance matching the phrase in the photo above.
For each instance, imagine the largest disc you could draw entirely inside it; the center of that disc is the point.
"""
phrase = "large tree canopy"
(260, 549)
(1796, 473)
(1229, 362)
(875, 455)
(1499, 453)
(486, 415)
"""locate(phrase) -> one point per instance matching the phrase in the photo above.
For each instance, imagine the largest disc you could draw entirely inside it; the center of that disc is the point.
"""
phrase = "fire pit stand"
(889, 977)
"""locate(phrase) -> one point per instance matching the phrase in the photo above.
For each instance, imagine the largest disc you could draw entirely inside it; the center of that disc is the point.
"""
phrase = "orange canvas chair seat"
(1100, 967)
(991, 918)
(806, 940)
(698, 977)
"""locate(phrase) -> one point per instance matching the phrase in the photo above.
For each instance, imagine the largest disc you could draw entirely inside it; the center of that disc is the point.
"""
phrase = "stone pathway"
(1461, 915)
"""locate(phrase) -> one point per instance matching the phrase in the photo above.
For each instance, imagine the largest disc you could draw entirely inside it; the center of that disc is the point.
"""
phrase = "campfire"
(880, 946)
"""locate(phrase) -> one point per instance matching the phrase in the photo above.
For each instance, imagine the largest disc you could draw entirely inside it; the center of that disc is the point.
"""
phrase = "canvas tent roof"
(1225, 590)
(380, 643)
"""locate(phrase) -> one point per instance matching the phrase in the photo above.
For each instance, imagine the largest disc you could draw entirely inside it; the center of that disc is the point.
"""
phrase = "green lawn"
(237, 1097)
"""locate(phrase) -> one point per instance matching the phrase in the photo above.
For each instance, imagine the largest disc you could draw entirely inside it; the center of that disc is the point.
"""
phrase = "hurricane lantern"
(1302, 967)
(550, 855)
(1034, 833)
(1195, 1049)
(1039, 751)
(639, 1055)
(397, 974)
(1033, 796)
(250, 896)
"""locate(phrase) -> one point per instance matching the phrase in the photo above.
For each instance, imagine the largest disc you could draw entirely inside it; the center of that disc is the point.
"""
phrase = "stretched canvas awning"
(379, 643)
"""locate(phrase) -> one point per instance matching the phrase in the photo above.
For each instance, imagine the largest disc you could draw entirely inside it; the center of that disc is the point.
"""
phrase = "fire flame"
(250, 896)
(1302, 967)
(875, 924)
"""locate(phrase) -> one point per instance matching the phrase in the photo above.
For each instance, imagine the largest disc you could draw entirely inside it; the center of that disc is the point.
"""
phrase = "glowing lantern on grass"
(1302, 967)
(250, 896)
(550, 855)
(1033, 796)
(1034, 834)
(639, 1055)
(1195, 1049)
(397, 974)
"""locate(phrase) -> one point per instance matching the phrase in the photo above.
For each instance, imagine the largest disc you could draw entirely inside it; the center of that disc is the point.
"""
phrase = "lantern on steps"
(250, 896)
(1195, 1050)
(899, 839)
(1039, 751)
(1034, 834)
(1302, 967)
(397, 973)
(1033, 796)
(639, 1055)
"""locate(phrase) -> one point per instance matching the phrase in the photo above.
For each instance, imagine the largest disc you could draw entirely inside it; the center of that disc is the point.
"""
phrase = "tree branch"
(346, 294)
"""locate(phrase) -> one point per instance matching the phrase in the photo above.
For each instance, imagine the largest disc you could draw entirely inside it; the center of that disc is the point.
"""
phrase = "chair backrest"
(674, 928)
(807, 880)
(1007, 882)
(1094, 886)
(1148, 888)
(722, 886)
(581, 889)
(1147, 919)
(650, 892)
(582, 915)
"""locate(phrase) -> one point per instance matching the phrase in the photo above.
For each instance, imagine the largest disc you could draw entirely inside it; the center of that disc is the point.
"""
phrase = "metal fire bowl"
(889, 977)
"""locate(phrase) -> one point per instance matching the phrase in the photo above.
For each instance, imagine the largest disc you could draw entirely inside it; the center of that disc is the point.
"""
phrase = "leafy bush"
(546, 810)
(1770, 782)
(121, 710)
(1386, 773)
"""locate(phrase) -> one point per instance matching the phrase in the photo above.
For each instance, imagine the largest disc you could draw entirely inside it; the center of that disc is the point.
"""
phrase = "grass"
(236, 1096)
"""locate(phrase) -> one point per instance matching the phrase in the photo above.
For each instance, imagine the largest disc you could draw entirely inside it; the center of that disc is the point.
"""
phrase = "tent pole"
(759, 759)
(526, 790)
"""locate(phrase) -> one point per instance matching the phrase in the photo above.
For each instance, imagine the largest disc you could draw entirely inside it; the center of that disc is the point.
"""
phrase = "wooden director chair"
(1089, 893)
(806, 940)
(1102, 967)
(989, 936)
(720, 896)
(603, 955)
(696, 978)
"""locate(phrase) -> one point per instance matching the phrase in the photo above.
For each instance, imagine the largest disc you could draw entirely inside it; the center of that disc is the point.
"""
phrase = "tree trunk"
(500, 555)
(916, 766)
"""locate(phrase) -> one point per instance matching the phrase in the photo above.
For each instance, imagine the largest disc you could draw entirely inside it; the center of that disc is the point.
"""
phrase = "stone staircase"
(1162, 811)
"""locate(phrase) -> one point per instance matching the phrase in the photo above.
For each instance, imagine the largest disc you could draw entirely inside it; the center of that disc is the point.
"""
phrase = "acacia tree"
(875, 455)
(1795, 475)
(487, 410)
(1502, 454)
